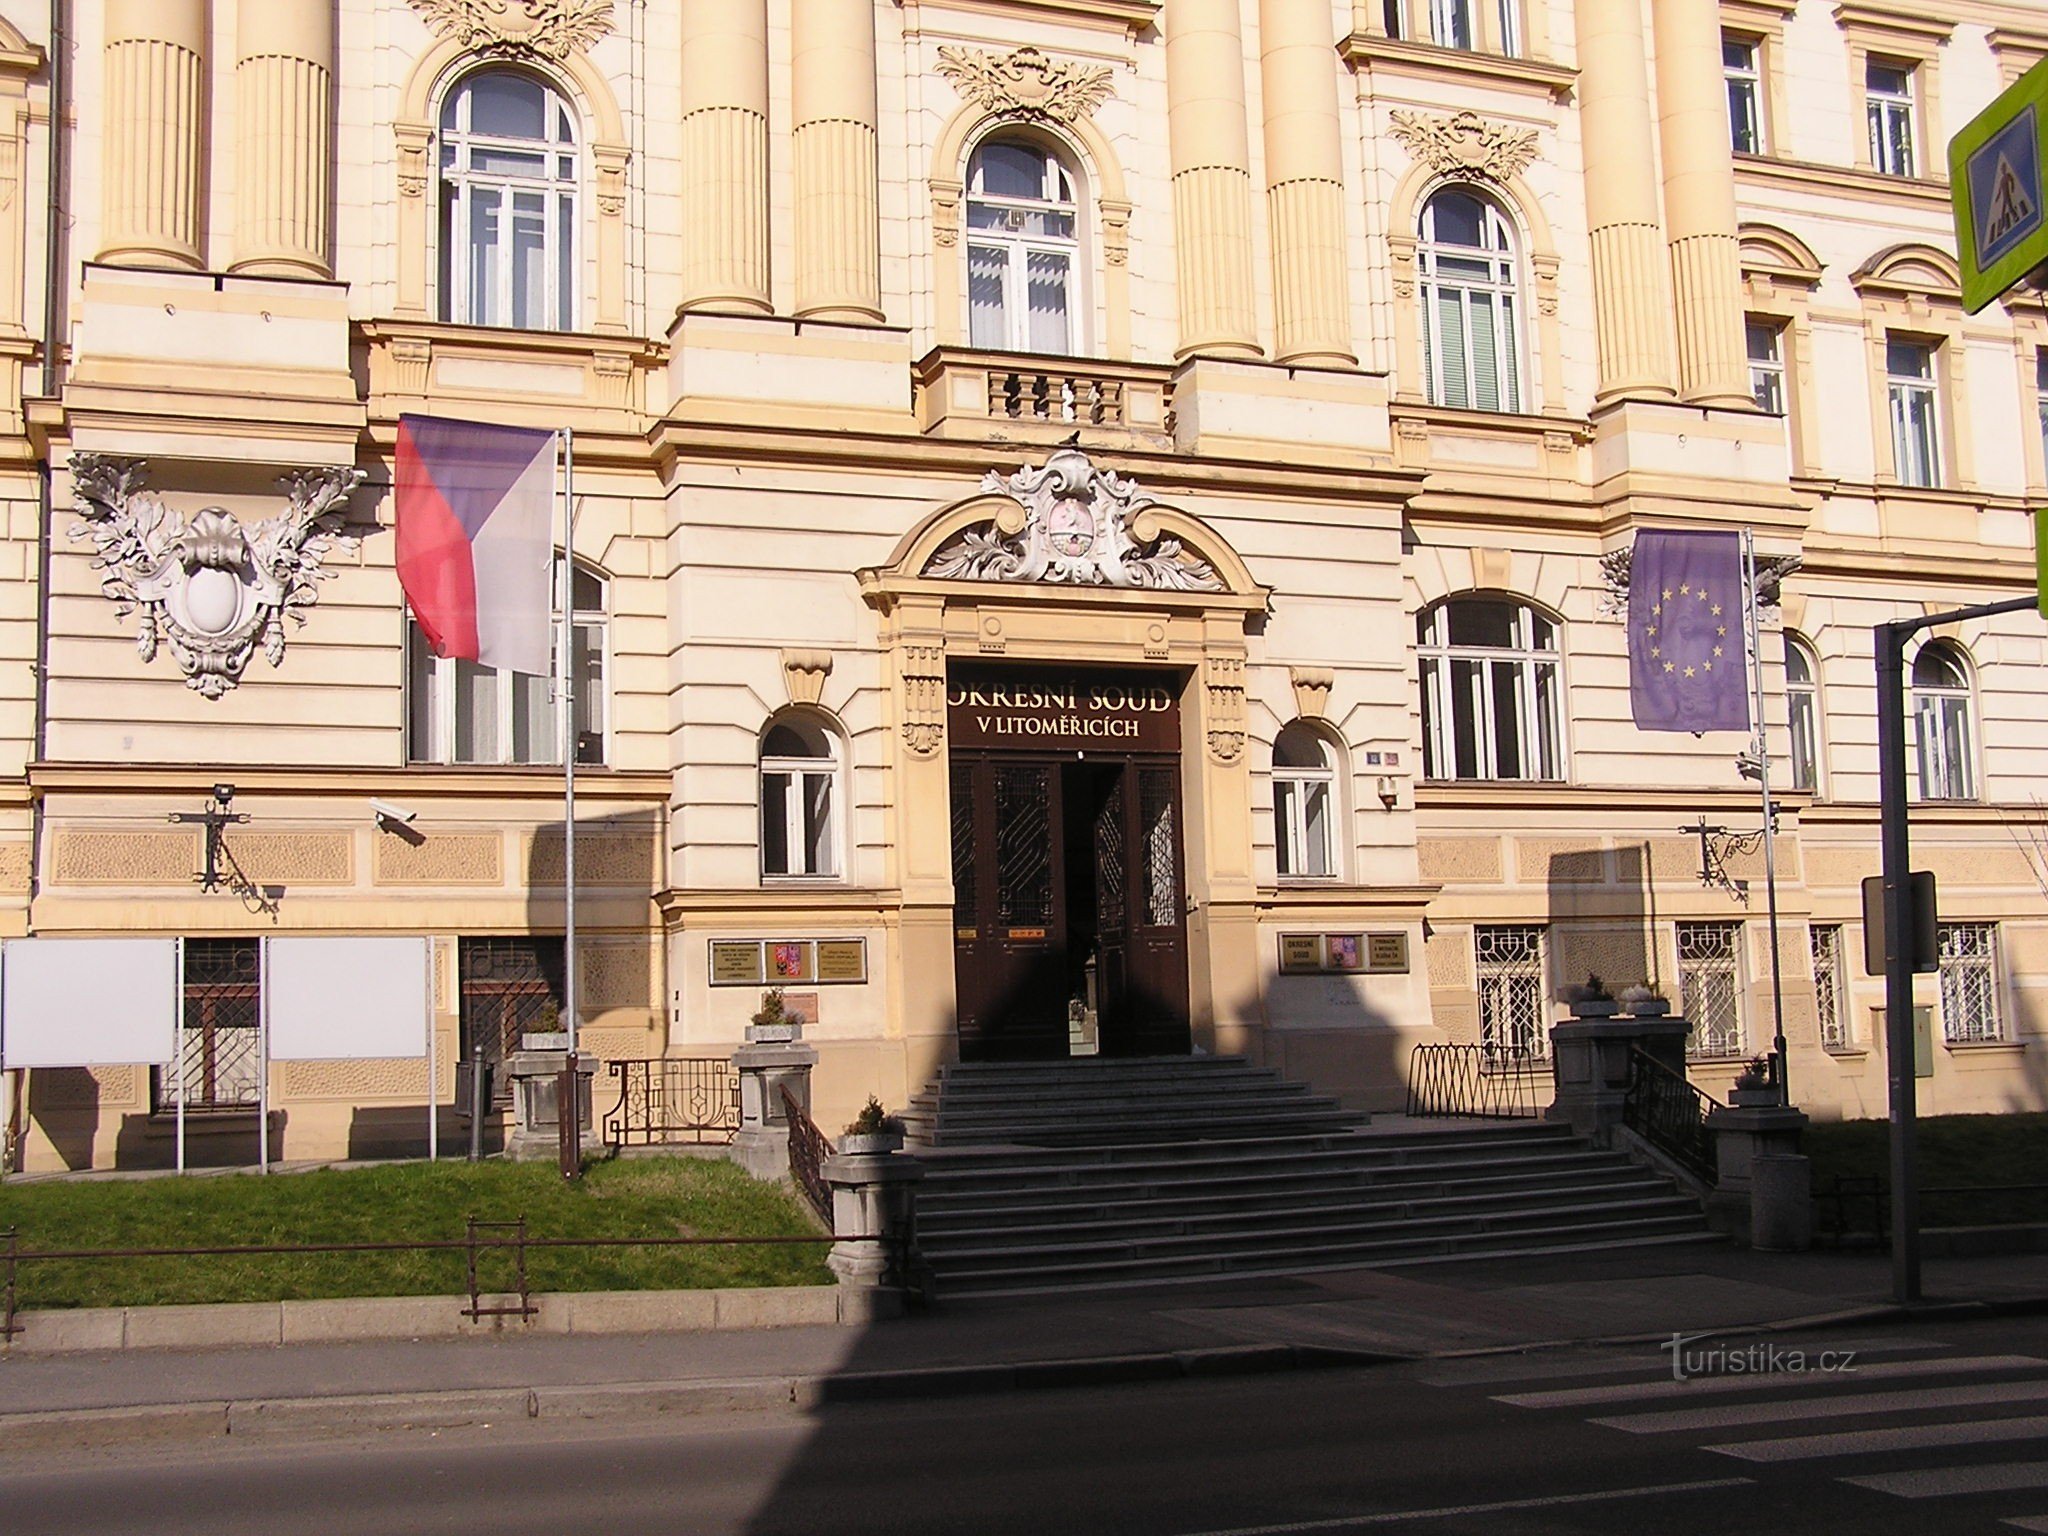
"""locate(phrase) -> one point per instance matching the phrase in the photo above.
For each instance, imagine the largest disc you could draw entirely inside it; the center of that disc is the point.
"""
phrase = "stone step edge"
(234, 1324)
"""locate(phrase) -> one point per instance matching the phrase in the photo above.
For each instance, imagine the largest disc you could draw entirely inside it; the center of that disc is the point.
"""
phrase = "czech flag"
(475, 538)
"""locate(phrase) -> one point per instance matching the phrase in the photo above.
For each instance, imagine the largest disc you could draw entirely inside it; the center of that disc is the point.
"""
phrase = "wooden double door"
(1069, 902)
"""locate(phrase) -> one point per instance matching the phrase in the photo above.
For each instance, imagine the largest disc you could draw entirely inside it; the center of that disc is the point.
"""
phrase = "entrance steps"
(1046, 1177)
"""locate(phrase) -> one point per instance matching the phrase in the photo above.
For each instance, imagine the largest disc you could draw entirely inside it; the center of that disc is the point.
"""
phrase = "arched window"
(1471, 310)
(1305, 811)
(510, 170)
(800, 799)
(1802, 712)
(463, 712)
(1941, 720)
(1023, 249)
(1490, 691)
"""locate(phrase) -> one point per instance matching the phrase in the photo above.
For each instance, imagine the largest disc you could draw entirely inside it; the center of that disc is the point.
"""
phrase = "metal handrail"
(1476, 1082)
(808, 1150)
(1667, 1111)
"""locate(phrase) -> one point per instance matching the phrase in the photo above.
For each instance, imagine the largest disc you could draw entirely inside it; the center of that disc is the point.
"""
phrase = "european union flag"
(1686, 669)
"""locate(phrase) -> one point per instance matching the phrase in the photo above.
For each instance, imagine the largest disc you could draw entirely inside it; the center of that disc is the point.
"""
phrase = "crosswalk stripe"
(1500, 1370)
(1698, 1386)
(1729, 1414)
(1941, 1482)
(2029, 1522)
(1867, 1442)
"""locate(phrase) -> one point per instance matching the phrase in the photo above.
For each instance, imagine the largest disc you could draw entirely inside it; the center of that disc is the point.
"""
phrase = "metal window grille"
(1828, 1000)
(510, 985)
(1969, 983)
(1513, 1027)
(222, 982)
(1710, 987)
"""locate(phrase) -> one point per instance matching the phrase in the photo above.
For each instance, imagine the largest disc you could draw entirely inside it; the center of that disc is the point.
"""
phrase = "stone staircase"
(1050, 1176)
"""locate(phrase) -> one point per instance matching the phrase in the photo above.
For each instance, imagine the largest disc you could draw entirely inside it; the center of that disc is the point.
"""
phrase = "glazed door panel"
(1157, 1004)
(1009, 933)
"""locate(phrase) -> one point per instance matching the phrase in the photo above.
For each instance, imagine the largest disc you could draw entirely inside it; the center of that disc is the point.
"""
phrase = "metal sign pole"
(433, 1063)
(1763, 780)
(178, 1024)
(262, 1054)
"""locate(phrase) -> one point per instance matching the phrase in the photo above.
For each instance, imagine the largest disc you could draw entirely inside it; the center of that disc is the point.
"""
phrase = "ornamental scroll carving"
(548, 29)
(924, 698)
(1081, 526)
(1223, 678)
(1026, 83)
(1466, 145)
(210, 589)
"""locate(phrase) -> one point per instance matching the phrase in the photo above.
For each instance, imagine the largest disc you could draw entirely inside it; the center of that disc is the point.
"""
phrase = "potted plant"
(872, 1130)
(1645, 1002)
(1589, 1000)
(774, 1022)
(1755, 1084)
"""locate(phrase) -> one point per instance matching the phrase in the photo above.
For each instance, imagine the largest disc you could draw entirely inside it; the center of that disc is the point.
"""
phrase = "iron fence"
(808, 1150)
(1837, 1202)
(1668, 1112)
(1476, 1082)
(674, 1100)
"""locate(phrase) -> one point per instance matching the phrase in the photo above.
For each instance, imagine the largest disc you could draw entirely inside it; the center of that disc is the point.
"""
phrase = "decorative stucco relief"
(206, 586)
(1466, 145)
(1026, 83)
(924, 698)
(549, 29)
(1083, 526)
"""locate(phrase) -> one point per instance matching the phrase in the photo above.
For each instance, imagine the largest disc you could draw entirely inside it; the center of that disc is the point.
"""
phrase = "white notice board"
(88, 1002)
(348, 999)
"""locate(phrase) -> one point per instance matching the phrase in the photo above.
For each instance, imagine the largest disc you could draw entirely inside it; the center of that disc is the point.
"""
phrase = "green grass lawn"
(639, 1197)
(1954, 1151)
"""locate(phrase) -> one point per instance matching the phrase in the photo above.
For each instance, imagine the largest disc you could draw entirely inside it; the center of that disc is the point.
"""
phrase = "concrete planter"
(868, 1143)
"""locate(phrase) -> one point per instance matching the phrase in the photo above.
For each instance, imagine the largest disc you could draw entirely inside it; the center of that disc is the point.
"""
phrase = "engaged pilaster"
(284, 147)
(1212, 179)
(1304, 184)
(155, 57)
(1630, 260)
(1699, 205)
(725, 156)
(838, 226)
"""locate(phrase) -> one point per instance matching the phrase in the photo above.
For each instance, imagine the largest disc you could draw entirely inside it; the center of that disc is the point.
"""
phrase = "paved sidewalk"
(1350, 1317)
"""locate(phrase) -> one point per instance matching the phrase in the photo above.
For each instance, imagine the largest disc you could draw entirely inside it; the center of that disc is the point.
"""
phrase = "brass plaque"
(790, 960)
(735, 962)
(1300, 953)
(1386, 952)
(1027, 933)
(842, 960)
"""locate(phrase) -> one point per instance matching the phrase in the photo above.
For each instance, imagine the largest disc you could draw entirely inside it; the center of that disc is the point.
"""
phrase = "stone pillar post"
(1763, 1190)
(1589, 1067)
(838, 225)
(773, 1058)
(152, 99)
(1630, 291)
(284, 146)
(1212, 179)
(1305, 185)
(873, 1206)
(1699, 204)
(725, 156)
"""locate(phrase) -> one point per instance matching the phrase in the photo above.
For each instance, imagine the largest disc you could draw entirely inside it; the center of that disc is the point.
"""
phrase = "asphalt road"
(1934, 1429)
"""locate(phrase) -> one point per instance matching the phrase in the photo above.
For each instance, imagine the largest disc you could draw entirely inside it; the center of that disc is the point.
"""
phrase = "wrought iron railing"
(808, 1150)
(1476, 1082)
(674, 1100)
(1668, 1112)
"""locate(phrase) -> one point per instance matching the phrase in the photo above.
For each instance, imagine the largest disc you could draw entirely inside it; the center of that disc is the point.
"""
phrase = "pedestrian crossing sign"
(1996, 183)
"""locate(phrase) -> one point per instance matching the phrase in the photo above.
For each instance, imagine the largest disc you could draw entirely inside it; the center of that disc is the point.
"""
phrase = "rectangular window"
(1395, 14)
(1710, 987)
(1911, 389)
(1969, 984)
(1888, 104)
(221, 983)
(2041, 396)
(1741, 63)
(1511, 28)
(1450, 23)
(1514, 1026)
(1766, 366)
(1830, 998)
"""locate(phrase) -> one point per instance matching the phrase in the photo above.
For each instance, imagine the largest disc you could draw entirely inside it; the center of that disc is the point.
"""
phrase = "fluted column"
(838, 226)
(1305, 184)
(1212, 179)
(1630, 261)
(725, 156)
(1699, 204)
(284, 146)
(151, 104)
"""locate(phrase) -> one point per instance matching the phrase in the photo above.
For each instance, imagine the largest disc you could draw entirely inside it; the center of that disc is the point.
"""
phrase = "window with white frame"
(1802, 712)
(1471, 306)
(510, 172)
(801, 793)
(1394, 16)
(1450, 23)
(1766, 339)
(463, 712)
(1742, 65)
(1491, 697)
(1942, 724)
(1968, 965)
(1888, 106)
(2041, 395)
(1304, 804)
(1023, 249)
(1710, 987)
(1514, 1024)
(1510, 17)
(1830, 986)
(1913, 392)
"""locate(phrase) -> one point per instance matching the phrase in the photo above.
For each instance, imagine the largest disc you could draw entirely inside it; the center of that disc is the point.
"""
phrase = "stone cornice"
(1367, 51)
(1127, 16)
(1846, 181)
(467, 782)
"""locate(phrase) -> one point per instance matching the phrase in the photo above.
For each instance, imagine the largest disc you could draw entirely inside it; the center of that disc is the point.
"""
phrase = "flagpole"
(567, 690)
(1763, 779)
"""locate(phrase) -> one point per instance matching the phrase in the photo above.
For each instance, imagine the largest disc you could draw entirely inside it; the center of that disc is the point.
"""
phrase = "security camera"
(223, 793)
(386, 811)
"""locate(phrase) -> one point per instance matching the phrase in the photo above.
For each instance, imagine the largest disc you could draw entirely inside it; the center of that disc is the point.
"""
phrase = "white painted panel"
(89, 1002)
(350, 999)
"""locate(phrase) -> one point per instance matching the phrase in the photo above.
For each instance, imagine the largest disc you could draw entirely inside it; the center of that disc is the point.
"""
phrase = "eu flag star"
(1685, 588)
(1691, 671)
(1717, 610)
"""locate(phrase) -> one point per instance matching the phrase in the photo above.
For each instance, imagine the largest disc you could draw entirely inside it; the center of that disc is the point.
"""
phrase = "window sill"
(1847, 1052)
(1778, 171)
(1366, 51)
(1984, 1047)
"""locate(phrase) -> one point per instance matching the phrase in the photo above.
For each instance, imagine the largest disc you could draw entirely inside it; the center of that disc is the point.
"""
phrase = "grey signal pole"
(1898, 926)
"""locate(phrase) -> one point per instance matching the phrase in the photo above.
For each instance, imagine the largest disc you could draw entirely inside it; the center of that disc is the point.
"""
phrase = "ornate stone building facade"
(1092, 521)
